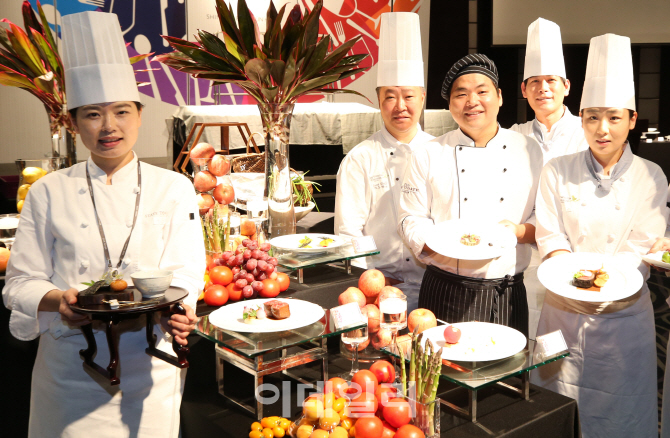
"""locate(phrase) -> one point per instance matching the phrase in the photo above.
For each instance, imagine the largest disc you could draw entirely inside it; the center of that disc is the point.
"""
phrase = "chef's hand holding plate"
(525, 233)
(180, 326)
(67, 298)
(661, 245)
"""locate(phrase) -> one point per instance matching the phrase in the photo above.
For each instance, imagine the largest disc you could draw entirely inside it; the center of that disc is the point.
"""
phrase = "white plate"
(480, 341)
(556, 275)
(495, 239)
(229, 317)
(655, 259)
(292, 242)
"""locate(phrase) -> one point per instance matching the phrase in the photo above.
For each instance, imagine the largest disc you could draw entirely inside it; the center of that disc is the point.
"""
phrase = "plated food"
(277, 309)
(307, 242)
(588, 279)
(266, 315)
(665, 258)
(470, 239)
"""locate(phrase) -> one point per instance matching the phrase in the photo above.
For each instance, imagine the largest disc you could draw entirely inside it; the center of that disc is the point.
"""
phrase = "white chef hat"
(97, 68)
(609, 74)
(544, 50)
(400, 62)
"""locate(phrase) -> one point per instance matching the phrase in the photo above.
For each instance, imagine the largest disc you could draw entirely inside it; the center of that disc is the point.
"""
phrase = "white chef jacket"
(611, 370)
(450, 178)
(58, 246)
(366, 202)
(566, 136)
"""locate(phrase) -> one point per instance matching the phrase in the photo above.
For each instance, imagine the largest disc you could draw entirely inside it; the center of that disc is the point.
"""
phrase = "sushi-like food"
(470, 239)
(666, 257)
(583, 279)
(601, 278)
(277, 309)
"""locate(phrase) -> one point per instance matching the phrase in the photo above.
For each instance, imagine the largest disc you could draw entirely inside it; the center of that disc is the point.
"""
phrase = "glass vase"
(32, 170)
(276, 119)
(426, 416)
(62, 142)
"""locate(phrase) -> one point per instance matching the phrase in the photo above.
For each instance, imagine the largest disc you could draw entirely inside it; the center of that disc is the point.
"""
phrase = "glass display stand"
(295, 261)
(474, 376)
(261, 354)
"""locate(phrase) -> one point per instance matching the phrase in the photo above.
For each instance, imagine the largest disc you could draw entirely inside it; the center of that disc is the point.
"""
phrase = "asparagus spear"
(419, 363)
(412, 363)
(402, 368)
(432, 377)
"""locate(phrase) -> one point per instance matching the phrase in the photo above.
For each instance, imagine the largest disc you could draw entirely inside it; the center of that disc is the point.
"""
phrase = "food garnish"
(325, 241)
(470, 239)
(304, 243)
(666, 257)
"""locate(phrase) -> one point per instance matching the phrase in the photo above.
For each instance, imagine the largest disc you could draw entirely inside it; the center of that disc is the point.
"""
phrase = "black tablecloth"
(501, 413)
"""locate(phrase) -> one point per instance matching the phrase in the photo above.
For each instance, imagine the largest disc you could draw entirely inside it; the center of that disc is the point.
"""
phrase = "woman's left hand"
(180, 326)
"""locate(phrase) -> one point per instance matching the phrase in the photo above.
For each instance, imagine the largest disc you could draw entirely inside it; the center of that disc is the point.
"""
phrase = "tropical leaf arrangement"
(276, 68)
(29, 59)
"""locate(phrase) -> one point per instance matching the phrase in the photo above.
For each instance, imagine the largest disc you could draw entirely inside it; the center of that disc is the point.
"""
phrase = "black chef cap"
(474, 63)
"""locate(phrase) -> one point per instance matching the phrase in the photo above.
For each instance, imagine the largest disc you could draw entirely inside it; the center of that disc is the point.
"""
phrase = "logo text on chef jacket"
(406, 188)
(156, 213)
(379, 182)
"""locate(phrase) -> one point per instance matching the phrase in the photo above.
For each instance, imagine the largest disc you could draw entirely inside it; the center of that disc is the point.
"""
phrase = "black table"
(503, 414)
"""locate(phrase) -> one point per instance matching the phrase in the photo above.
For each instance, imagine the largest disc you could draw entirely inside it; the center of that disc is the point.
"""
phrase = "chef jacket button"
(136, 190)
(502, 199)
(504, 170)
(465, 199)
(505, 147)
(127, 260)
(391, 153)
(82, 190)
(397, 179)
(618, 206)
(407, 260)
(462, 170)
(85, 264)
(129, 224)
(84, 224)
(460, 148)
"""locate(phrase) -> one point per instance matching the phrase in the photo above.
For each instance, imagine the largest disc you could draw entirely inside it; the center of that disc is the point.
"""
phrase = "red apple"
(452, 334)
(202, 150)
(423, 318)
(219, 165)
(382, 339)
(205, 202)
(389, 291)
(224, 194)
(371, 282)
(352, 295)
(204, 181)
(373, 318)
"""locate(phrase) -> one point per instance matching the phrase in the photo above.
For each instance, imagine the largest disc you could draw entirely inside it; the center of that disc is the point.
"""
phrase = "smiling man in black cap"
(477, 176)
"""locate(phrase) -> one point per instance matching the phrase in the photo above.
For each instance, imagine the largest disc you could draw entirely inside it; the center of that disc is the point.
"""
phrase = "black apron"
(454, 298)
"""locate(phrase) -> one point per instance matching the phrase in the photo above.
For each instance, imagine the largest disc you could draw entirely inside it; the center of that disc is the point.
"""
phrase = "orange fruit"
(4, 258)
(318, 433)
(248, 228)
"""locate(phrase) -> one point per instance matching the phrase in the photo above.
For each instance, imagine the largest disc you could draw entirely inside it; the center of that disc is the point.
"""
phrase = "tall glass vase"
(276, 120)
(62, 143)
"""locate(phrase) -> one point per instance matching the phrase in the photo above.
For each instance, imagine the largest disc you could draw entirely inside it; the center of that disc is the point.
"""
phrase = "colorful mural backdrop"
(144, 21)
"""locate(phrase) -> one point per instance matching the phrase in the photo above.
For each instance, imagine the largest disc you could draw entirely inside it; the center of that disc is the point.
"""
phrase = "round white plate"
(556, 275)
(655, 259)
(480, 341)
(291, 242)
(495, 239)
(229, 317)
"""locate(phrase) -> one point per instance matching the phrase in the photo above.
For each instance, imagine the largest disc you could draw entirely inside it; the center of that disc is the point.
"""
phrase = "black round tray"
(172, 295)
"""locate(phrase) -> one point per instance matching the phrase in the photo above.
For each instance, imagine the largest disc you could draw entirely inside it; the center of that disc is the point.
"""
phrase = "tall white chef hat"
(97, 68)
(544, 50)
(400, 61)
(609, 74)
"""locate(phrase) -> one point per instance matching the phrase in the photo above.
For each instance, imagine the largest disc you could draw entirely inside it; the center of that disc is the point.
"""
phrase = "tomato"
(397, 412)
(216, 295)
(270, 289)
(234, 292)
(369, 427)
(337, 385)
(209, 260)
(283, 280)
(366, 381)
(389, 431)
(256, 426)
(384, 392)
(365, 404)
(409, 431)
(384, 371)
(221, 275)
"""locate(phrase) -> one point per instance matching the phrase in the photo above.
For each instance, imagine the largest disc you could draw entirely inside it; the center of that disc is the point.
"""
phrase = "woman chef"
(59, 245)
(604, 200)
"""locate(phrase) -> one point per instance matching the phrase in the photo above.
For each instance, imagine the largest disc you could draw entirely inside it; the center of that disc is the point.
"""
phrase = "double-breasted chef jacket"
(58, 246)
(566, 137)
(450, 178)
(367, 199)
(611, 370)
